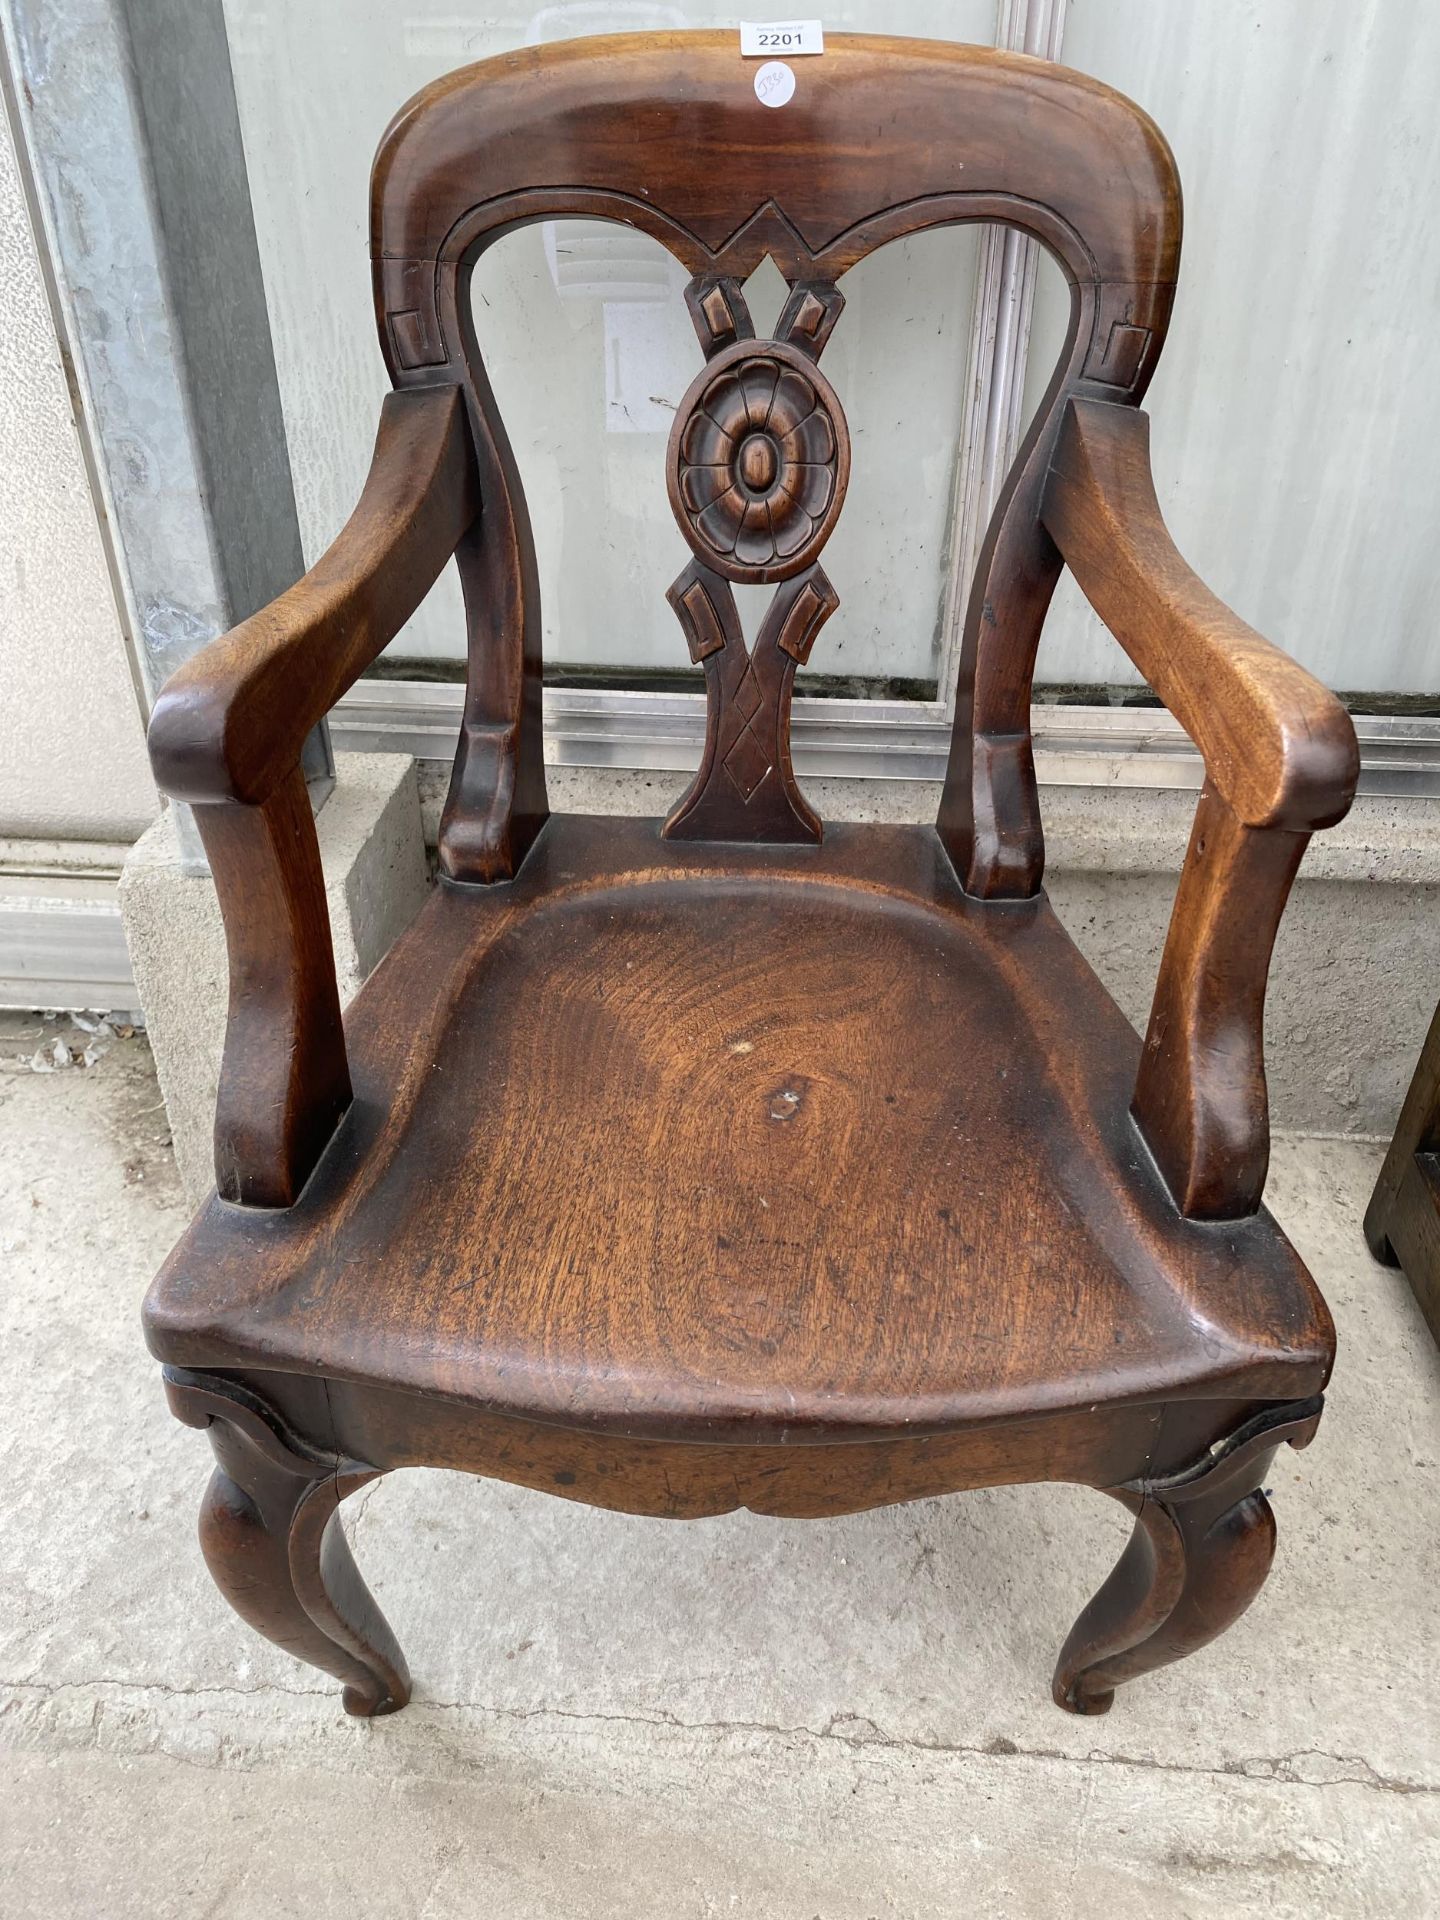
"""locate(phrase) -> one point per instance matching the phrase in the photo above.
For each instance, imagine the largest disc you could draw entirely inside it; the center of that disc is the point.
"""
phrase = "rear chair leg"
(1202, 1546)
(274, 1546)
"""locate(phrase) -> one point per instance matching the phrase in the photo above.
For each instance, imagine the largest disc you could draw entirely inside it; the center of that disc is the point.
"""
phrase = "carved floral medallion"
(759, 457)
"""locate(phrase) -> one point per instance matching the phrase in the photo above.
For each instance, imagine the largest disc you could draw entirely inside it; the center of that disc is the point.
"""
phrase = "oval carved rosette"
(758, 463)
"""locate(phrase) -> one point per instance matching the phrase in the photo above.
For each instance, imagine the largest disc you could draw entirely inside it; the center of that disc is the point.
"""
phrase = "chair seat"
(766, 1144)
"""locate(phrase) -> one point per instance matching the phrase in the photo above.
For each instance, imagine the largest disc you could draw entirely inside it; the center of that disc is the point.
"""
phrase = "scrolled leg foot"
(1201, 1549)
(273, 1543)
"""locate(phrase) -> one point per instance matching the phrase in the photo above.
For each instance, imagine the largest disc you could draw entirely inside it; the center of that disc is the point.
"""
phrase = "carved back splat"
(757, 466)
(883, 138)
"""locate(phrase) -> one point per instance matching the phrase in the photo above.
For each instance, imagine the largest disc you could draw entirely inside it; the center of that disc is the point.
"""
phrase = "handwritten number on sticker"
(774, 84)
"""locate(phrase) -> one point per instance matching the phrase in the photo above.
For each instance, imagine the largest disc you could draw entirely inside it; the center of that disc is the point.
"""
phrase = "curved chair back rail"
(662, 131)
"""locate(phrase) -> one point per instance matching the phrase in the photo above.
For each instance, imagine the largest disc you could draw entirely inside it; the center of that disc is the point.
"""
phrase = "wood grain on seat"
(823, 1146)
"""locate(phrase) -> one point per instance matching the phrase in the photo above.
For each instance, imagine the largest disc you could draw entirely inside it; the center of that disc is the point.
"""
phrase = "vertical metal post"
(128, 119)
(999, 339)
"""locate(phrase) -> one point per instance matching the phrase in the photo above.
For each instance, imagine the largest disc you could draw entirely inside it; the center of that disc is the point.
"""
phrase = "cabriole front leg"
(272, 1540)
(1202, 1546)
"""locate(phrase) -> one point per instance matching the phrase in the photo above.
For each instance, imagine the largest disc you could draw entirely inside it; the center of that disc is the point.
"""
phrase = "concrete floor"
(614, 1717)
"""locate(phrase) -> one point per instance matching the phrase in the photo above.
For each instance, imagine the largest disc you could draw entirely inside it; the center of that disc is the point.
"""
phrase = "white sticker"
(774, 84)
(790, 37)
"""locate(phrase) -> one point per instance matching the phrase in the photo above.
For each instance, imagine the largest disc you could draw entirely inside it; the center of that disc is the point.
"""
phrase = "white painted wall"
(588, 342)
(1296, 410)
(72, 746)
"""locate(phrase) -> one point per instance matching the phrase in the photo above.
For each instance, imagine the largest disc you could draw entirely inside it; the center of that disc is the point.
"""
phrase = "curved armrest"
(1277, 744)
(1280, 759)
(230, 723)
(226, 735)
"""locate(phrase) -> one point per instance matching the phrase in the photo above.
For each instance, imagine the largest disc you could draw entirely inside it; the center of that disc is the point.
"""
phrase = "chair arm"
(231, 722)
(1280, 759)
(226, 735)
(1277, 744)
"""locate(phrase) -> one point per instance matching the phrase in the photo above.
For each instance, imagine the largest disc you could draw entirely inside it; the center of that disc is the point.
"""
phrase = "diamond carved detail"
(747, 764)
(748, 699)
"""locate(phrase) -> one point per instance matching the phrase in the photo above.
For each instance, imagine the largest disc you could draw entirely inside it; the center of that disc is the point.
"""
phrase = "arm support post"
(284, 1078)
(1200, 1096)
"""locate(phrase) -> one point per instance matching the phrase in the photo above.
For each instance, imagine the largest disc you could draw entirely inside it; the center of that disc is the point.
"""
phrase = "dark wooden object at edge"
(735, 1162)
(1402, 1222)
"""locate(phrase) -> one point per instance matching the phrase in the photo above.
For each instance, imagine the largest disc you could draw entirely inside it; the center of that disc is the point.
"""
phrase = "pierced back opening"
(884, 137)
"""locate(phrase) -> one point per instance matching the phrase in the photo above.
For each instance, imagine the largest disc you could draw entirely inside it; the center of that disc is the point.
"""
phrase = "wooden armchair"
(674, 1168)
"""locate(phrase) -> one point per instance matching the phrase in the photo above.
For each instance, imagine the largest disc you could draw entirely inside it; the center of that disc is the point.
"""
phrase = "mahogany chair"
(714, 1163)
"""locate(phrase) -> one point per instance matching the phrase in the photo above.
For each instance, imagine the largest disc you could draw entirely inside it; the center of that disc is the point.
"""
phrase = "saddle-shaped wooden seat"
(649, 1145)
(726, 1160)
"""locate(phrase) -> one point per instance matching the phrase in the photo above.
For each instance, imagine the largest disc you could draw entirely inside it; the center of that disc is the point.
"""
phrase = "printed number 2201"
(782, 36)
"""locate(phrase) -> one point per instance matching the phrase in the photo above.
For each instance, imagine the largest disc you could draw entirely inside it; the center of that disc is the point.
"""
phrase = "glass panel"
(1297, 404)
(601, 309)
(590, 348)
